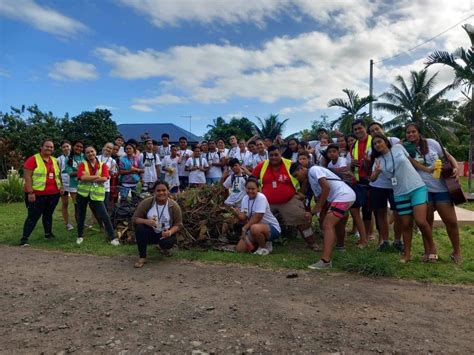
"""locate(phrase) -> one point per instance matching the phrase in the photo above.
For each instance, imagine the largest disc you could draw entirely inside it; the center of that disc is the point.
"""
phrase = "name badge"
(274, 184)
(51, 175)
(394, 181)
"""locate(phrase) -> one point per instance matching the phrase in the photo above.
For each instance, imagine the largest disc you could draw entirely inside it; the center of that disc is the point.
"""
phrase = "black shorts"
(379, 198)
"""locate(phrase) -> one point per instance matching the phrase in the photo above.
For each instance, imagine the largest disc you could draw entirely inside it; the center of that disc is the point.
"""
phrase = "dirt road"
(54, 302)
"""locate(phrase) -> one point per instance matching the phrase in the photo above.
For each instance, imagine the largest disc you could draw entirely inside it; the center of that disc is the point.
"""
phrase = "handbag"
(453, 185)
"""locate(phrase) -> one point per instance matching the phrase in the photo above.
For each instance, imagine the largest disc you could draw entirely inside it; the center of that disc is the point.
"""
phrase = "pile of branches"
(206, 218)
(207, 221)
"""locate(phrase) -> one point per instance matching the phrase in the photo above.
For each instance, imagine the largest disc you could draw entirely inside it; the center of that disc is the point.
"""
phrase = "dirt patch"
(55, 302)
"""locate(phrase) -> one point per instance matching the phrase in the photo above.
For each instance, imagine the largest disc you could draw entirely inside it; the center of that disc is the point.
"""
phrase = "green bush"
(459, 151)
(11, 189)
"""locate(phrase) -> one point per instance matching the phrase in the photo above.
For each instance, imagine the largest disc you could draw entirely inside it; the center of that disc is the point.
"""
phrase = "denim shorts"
(440, 197)
(404, 203)
(274, 234)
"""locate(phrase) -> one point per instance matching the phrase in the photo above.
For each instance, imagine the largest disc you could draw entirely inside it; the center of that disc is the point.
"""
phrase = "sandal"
(362, 245)
(139, 264)
(433, 258)
(457, 259)
(404, 261)
(425, 258)
(315, 247)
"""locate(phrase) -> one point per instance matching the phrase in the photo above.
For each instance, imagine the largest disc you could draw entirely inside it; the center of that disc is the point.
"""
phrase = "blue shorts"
(440, 197)
(274, 233)
(212, 181)
(404, 203)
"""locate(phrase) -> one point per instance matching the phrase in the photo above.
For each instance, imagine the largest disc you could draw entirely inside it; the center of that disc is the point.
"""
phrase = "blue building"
(155, 130)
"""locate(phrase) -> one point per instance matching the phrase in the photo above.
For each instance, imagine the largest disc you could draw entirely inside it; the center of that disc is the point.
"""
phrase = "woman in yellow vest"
(92, 175)
(42, 190)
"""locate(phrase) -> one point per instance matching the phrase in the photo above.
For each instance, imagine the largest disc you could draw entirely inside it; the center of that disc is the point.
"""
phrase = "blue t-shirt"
(396, 164)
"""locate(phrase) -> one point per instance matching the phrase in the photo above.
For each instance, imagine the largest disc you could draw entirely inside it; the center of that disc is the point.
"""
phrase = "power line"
(429, 40)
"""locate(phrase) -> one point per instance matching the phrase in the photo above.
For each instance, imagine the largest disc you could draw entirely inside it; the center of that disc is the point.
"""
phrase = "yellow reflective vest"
(96, 191)
(287, 164)
(355, 154)
(40, 174)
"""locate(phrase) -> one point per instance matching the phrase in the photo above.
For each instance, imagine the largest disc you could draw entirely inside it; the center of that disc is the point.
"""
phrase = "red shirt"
(283, 191)
(51, 187)
(92, 170)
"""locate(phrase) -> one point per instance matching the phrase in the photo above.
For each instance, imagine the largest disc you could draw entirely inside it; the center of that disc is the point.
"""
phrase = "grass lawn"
(294, 255)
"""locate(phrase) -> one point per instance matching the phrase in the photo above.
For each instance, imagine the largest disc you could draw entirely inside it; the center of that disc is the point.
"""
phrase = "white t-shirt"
(184, 154)
(197, 176)
(164, 151)
(111, 165)
(162, 215)
(244, 157)
(340, 163)
(236, 186)
(434, 152)
(62, 161)
(233, 152)
(257, 158)
(339, 191)
(121, 152)
(214, 171)
(382, 182)
(150, 162)
(294, 157)
(259, 205)
(396, 164)
(173, 178)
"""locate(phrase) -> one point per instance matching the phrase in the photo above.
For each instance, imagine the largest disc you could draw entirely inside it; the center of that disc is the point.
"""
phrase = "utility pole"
(371, 85)
(189, 122)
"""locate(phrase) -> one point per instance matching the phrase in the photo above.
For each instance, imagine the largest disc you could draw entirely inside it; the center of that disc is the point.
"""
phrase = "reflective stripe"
(355, 154)
(94, 190)
(40, 173)
(287, 164)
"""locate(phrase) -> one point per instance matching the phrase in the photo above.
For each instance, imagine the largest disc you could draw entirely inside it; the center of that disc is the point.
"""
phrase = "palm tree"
(270, 127)
(217, 123)
(462, 62)
(416, 102)
(351, 108)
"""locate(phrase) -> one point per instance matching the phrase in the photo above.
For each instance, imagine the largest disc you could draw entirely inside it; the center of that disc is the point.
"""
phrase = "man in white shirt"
(151, 163)
(234, 147)
(216, 161)
(234, 180)
(183, 153)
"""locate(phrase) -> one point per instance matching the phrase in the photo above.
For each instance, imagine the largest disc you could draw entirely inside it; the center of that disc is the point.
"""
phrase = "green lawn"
(467, 205)
(294, 255)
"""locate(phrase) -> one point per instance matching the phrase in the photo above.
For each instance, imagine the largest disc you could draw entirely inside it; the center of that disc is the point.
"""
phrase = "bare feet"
(140, 263)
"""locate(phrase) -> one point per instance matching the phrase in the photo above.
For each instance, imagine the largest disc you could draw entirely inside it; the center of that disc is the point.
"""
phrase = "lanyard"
(393, 162)
(102, 160)
(162, 211)
(250, 209)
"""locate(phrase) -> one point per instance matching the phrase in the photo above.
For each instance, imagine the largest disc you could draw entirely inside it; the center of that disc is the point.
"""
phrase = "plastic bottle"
(437, 169)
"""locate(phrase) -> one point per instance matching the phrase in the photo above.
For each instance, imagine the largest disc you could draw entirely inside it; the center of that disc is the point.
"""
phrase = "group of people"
(269, 184)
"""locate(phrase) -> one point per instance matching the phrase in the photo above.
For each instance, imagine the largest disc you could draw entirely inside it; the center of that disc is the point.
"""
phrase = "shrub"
(11, 189)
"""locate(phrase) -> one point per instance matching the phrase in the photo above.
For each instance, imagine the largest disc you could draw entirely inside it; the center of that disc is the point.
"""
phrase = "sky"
(155, 61)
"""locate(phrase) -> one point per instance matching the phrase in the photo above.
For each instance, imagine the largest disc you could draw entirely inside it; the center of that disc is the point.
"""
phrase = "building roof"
(155, 130)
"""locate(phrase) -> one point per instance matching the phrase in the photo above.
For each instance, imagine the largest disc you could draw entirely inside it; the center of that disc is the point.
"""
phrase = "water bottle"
(437, 169)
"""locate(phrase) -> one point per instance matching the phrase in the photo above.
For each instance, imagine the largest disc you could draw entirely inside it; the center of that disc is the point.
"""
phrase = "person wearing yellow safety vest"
(361, 167)
(42, 190)
(280, 188)
(92, 176)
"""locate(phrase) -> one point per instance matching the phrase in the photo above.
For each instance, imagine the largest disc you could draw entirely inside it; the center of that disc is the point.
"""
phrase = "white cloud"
(142, 108)
(40, 17)
(310, 68)
(166, 99)
(106, 107)
(73, 70)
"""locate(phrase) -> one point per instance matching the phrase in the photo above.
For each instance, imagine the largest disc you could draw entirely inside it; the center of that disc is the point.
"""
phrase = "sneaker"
(261, 251)
(357, 235)
(88, 226)
(79, 241)
(399, 246)
(269, 247)
(49, 236)
(341, 248)
(69, 227)
(320, 265)
(384, 246)
(24, 243)
(115, 242)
